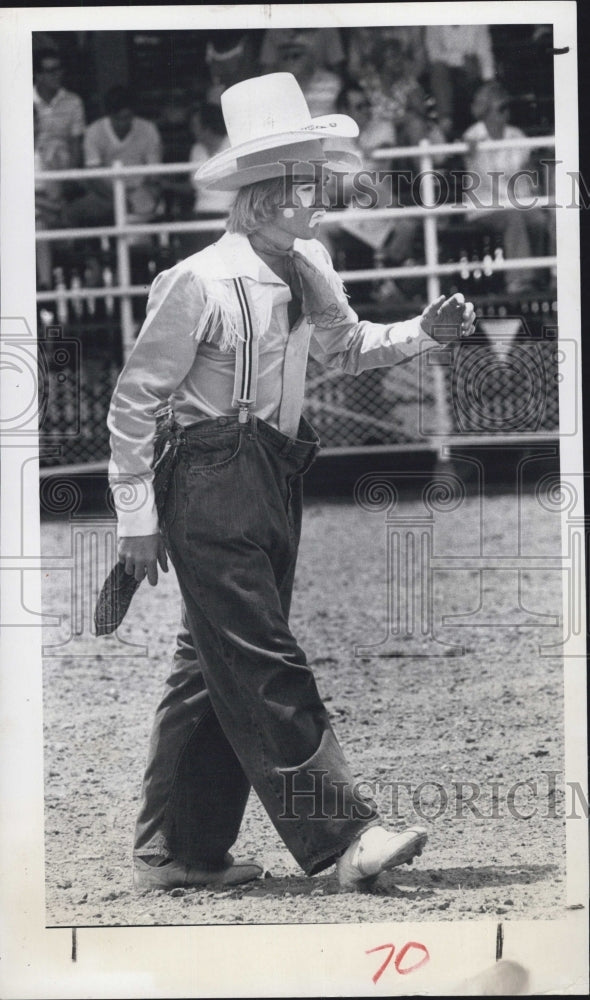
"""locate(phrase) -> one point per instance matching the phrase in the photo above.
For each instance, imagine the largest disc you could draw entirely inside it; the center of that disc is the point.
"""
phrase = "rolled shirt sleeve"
(163, 354)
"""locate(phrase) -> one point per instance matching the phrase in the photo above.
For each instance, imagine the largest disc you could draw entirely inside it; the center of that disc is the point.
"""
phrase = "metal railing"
(426, 153)
(351, 412)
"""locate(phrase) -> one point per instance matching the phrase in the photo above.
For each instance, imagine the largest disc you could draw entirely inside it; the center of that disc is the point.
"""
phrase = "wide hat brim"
(225, 172)
(336, 161)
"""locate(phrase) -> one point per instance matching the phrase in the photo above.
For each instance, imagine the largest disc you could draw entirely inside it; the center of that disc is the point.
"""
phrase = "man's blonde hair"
(255, 205)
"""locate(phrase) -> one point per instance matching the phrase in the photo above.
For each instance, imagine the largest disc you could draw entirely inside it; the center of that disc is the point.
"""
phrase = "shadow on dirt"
(424, 883)
(476, 877)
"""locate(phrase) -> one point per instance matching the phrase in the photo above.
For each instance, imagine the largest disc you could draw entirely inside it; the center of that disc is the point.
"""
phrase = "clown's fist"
(448, 319)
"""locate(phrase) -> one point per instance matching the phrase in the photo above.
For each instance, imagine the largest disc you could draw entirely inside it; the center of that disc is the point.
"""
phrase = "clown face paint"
(316, 218)
(302, 218)
(305, 194)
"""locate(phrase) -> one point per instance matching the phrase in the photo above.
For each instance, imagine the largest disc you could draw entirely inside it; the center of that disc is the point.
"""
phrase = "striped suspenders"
(246, 372)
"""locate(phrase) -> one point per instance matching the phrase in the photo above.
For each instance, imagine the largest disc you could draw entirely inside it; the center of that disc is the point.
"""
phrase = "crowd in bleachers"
(401, 84)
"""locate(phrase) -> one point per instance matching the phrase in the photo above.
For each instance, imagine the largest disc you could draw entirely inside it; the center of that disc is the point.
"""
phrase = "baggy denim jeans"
(241, 708)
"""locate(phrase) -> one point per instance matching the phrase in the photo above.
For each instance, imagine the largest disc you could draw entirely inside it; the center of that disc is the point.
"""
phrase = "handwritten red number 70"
(400, 958)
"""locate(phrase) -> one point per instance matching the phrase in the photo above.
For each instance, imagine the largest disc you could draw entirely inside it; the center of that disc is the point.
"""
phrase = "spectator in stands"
(521, 230)
(133, 141)
(461, 58)
(208, 128)
(50, 154)
(297, 53)
(58, 129)
(365, 42)
(60, 113)
(399, 102)
(326, 44)
(231, 58)
(174, 127)
(374, 131)
(365, 243)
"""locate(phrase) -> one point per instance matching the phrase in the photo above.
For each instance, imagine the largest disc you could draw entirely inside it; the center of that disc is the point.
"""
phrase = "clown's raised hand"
(448, 319)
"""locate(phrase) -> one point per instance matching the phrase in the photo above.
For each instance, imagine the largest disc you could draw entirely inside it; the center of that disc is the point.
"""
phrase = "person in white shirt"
(521, 229)
(461, 58)
(208, 127)
(58, 130)
(133, 141)
(208, 131)
(225, 345)
(59, 113)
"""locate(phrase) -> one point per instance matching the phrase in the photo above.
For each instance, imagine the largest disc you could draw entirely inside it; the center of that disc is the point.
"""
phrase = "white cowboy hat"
(268, 124)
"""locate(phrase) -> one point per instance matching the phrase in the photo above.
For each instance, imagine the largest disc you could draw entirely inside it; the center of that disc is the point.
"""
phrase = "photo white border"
(307, 960)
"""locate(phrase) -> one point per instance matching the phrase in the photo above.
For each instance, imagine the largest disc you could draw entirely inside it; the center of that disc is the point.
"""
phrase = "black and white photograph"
(293, 536)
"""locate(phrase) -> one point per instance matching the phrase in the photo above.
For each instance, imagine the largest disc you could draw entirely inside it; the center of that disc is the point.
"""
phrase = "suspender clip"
(243, 413)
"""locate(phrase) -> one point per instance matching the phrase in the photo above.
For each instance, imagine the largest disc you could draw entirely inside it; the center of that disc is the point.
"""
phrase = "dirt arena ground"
(464, 716)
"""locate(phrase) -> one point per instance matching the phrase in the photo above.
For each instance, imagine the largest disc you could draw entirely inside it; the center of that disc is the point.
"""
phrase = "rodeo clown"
(225, 345)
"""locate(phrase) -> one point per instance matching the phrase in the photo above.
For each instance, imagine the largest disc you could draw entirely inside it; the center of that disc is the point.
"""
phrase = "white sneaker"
(378, 850)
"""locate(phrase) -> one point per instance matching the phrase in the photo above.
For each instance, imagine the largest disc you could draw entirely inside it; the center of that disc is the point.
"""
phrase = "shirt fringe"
(220, 322)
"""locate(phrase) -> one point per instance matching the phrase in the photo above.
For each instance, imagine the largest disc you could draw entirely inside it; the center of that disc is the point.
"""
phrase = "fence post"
(428, 196)
(123, 264)
(441, 402)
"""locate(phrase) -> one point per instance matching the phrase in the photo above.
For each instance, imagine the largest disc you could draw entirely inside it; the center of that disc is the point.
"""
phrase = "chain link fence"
(503, 381)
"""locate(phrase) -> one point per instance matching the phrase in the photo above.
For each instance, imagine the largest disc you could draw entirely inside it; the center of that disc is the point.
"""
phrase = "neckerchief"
(321, 304)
